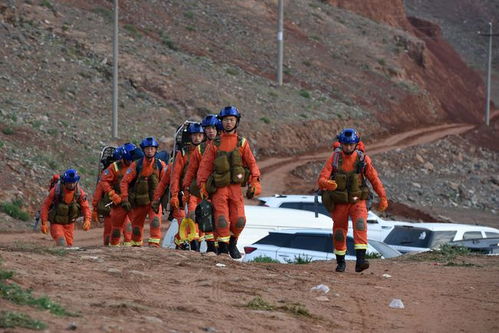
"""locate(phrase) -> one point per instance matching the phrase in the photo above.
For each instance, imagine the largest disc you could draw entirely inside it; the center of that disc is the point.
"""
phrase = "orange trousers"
(138, 218)
(119, 216)
(62, 233)
(228, 206)
(108, 228)
(358, 212)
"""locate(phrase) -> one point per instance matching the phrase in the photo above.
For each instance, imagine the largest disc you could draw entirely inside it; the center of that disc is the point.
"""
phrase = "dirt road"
(277, 171)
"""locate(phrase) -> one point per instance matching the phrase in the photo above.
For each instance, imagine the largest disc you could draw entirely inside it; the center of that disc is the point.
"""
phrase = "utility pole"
(489, 69)
(280, 41)
(115, 73)
(487, 104)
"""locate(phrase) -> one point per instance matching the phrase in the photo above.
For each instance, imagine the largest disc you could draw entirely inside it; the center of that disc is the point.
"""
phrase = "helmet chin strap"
(234, 129)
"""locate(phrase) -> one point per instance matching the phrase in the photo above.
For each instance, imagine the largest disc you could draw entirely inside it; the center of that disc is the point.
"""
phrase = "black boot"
(195, 245)
(340, 263)
(210, 247)
(233, 251)
(223, 248)
(362, 263)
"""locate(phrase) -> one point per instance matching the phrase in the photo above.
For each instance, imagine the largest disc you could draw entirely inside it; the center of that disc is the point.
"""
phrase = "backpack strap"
(157, 165)
(361, 161)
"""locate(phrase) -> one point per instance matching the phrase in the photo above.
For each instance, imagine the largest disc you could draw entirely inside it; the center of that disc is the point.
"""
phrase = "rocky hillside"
(461, 20)
(356, 63)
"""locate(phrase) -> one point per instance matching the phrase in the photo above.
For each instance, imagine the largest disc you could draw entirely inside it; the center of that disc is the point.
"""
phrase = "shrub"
(47, 3)
(259, 303)
(304, 93)
(265, 259)
(265, 120)
(301, 260)
(232, 71)
(10, 319)
(8, 130)
(104, 12)
(14, 209)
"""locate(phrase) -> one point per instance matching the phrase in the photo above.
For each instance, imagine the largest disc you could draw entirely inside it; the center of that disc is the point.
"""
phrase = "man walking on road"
(345, 192)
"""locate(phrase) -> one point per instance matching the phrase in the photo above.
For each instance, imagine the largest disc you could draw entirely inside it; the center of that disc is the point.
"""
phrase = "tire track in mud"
(276, 171)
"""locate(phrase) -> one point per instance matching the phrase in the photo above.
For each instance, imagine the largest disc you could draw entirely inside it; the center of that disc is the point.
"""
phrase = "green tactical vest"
(228, 167)
(352, 186)
(142, 188)
(62, 213)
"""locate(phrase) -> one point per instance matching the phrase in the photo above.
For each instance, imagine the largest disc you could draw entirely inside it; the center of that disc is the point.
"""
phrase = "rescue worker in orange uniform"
(181, 164)
(228, 162)
(192, 195)
(107, 197)
(345, 192)
(65, 203)
(137, 192)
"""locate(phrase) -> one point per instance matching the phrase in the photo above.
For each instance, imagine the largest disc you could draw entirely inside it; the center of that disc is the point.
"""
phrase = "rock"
(416, 185)
(454, 186)
(494, 179)
(420, 158)
(153, 320)
(429, 166)
(72, 327)
(210, 329)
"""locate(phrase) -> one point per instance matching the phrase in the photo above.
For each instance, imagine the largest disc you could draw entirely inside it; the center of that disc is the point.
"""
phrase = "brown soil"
(145, 289)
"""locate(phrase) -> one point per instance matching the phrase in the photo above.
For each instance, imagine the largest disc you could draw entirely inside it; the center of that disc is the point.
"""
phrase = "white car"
(377, 228)
(421, 237)
(261, 220)
(286, 246)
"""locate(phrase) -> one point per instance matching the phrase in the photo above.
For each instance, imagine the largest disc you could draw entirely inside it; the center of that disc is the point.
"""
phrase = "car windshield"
(418, 237)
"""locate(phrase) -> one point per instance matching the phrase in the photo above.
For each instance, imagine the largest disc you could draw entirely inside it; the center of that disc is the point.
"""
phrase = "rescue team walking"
(200, 188)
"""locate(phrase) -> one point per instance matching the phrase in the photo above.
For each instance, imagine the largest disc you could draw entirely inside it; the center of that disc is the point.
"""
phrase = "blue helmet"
(229, 111)
(195, 128)
(128, 150)
(118, 153)
(348, 136)
(210, 120)
(149, 142)
(70, 176)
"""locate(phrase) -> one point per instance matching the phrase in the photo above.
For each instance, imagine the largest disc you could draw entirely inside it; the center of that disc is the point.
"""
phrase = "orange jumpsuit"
(139, 213)
(194, 201)
(228, 201)
(182, 161)
(109, 180)
(63, 233)
(358, 210)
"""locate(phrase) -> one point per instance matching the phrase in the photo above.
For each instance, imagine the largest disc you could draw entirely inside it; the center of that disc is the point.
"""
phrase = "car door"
(307, 247)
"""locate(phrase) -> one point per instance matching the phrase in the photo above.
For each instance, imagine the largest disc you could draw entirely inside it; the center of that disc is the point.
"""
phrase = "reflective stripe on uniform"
(340, 253)
(209, 237)
(153, 240)
(127, 243)
(225, 239)
(360, 246)
(134, 243)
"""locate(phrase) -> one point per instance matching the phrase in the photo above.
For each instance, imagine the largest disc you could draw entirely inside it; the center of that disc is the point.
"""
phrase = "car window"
(404, 236)
(442, 237)
(311, 242)
(310, 206)
(491, 234)
(472, 235)
(275, 238)
(292, 205)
